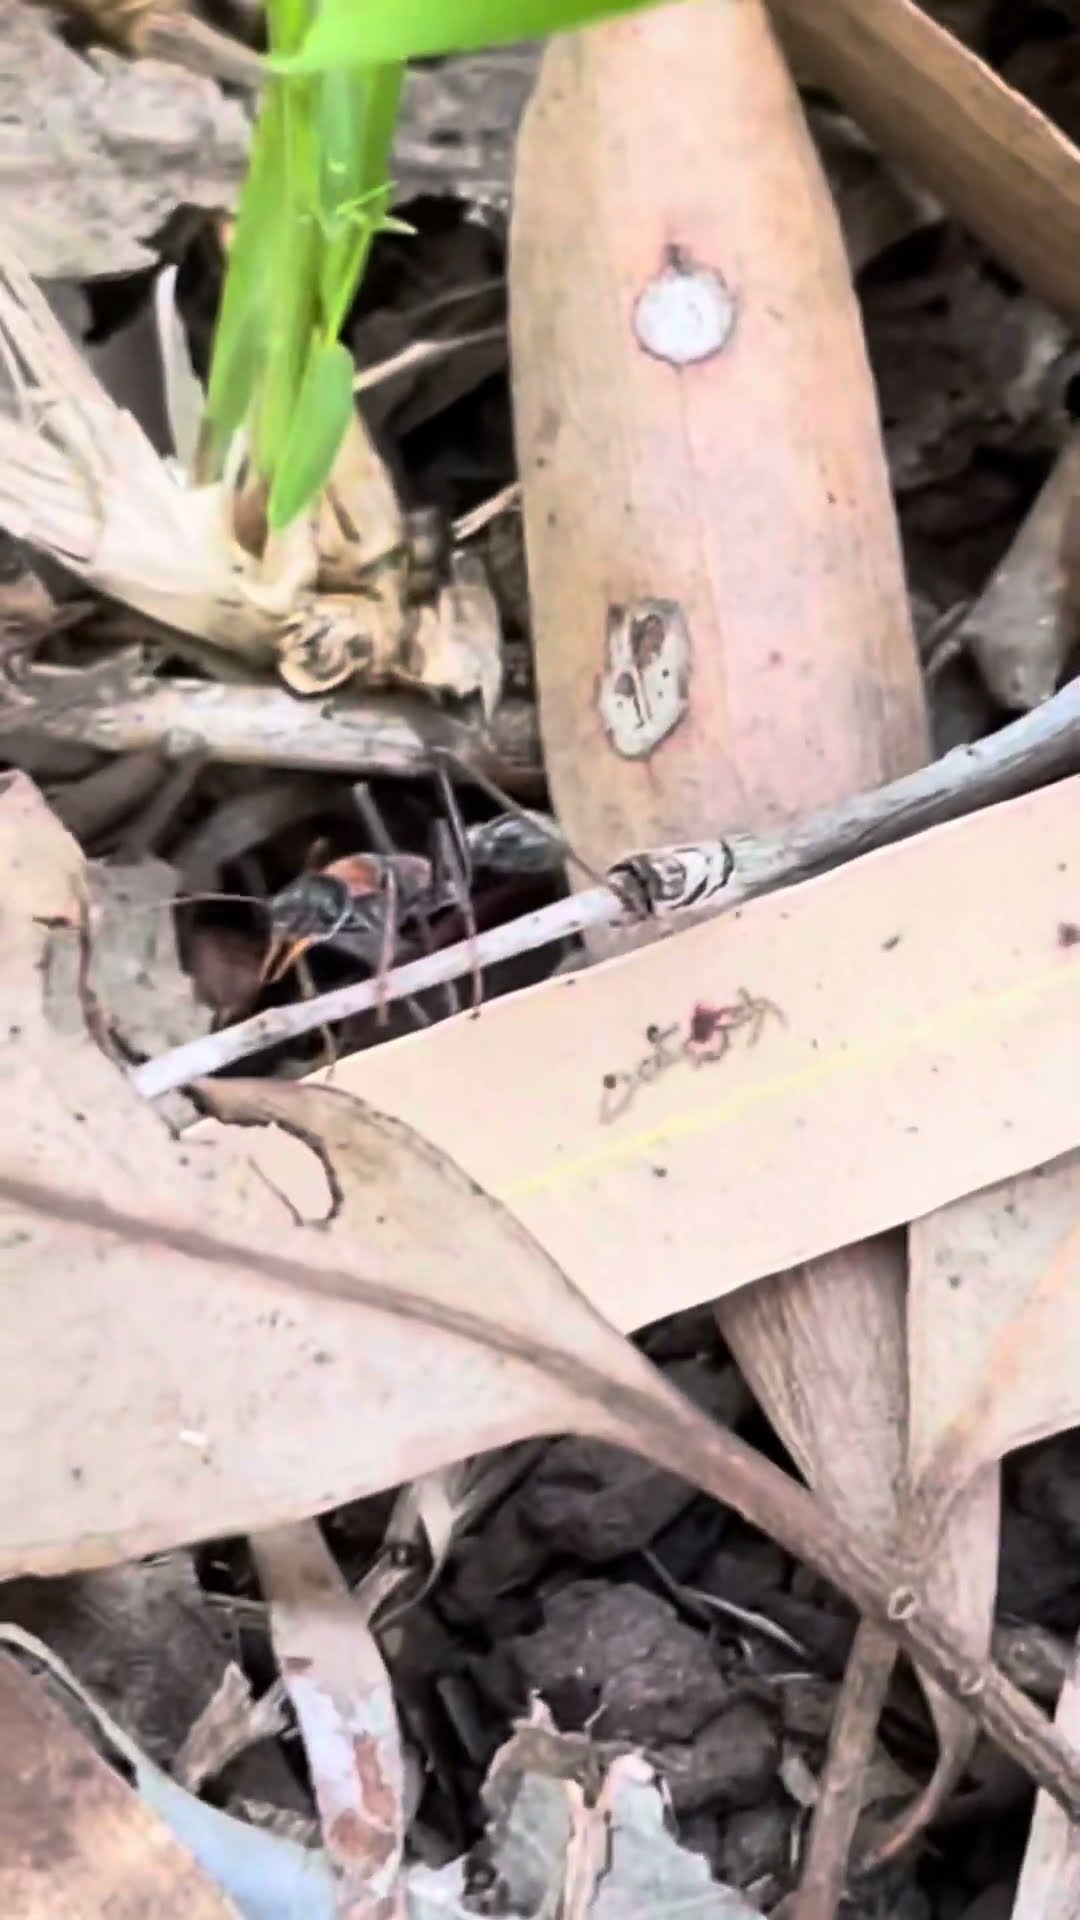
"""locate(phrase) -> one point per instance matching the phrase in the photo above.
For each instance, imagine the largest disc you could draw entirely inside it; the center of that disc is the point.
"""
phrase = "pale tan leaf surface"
(799, 678)
(974, 1267)
(845, 1323)
(1049, 1886)
(1022, 627)
(895, 1084)
(691, 493)
(96, 151)
(152, 1400)
(75, 1839)
(992, 159)
(1003, 1371)
(344, 1703)
(229, 1382)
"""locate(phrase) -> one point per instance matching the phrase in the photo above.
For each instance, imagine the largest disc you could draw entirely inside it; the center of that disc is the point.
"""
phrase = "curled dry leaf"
(1014, 1258)
(991, 158)
(339, 1687)
(981, 1272)
(181, 1436)
(215, 1388)
(1024, 624)
(231, 1721)
(1049, 1885)
(580, 1828)
(458, 644)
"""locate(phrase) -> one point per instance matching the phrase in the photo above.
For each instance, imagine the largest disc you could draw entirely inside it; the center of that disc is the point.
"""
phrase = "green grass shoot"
(318, 191)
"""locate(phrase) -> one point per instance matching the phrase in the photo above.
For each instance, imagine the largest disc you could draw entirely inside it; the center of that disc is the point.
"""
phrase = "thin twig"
(507, 500)
(599, 907)
(1040, 747)
(422, 353)
(391, 736)
(843, 1777)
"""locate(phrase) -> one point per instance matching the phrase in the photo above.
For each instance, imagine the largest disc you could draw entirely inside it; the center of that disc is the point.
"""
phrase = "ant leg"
(755, 1013)
(309, 991)
(454, 855)
(388, 943)
(381, 841)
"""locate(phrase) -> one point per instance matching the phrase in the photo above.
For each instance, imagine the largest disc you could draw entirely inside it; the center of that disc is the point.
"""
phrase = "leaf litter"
(968, 458)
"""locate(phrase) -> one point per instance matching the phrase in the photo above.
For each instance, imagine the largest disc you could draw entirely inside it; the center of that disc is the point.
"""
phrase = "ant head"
(311, 907)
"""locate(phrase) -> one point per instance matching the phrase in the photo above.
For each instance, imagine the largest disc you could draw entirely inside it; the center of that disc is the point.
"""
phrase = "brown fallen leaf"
(991, 158)
(1049, 1884)
(785, 682)
(972, 1266)
(74, 1837)
(344, 1703)
(1016, 1255)
(215, 1388)
(1024, 624)
(636, 582)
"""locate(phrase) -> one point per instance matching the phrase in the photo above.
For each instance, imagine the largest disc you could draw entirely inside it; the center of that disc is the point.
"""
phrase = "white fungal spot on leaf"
(645, 689)
(685, 314)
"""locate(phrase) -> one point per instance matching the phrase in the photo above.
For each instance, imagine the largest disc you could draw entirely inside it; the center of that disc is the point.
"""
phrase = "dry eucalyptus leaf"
(344, 1703)
(1012, 1258)
(1049, 1885)
(1023, 626)
(268, 1875)
(978, 1271)
(187, 1406)
(993, 160)
(96, 151)
(214, 1389)
(890, 1082)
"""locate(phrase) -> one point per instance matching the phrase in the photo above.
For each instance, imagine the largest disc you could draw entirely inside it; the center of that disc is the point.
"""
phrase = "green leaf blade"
(320, 421)
(347, 34)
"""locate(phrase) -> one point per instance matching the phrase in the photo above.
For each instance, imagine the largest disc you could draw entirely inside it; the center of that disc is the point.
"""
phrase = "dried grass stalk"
(80, 481)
